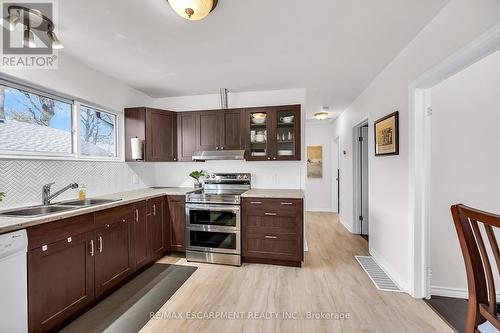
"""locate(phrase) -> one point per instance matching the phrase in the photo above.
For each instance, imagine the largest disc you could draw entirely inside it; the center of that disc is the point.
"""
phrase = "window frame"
(75, 103)
(79, 155)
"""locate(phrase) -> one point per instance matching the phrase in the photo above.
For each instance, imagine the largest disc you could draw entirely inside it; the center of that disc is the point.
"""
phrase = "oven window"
(226, 219)
(216, 240)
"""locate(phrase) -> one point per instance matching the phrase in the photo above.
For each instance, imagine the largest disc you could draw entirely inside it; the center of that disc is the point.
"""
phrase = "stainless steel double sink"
(36, 211)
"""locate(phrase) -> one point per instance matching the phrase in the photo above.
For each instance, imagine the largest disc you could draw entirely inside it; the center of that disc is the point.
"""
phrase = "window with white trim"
(97, 132)
(39, 124)
(31, 122)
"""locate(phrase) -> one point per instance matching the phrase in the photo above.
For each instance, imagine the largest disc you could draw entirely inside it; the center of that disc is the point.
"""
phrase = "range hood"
(217, 155)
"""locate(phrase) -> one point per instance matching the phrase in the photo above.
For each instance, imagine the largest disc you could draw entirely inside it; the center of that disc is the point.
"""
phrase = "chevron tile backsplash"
(22, 180)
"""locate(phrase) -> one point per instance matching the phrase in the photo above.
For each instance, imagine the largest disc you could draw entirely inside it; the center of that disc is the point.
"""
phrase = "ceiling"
(334, 48)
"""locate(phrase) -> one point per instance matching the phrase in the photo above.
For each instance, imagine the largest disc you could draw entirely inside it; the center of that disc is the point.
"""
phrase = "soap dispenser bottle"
(82, 192)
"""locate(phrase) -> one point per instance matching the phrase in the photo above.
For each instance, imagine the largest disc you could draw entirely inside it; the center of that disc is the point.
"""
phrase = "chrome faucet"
(46, 196)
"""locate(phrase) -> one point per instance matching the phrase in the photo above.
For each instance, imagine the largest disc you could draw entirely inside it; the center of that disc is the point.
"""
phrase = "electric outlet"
(135, 179)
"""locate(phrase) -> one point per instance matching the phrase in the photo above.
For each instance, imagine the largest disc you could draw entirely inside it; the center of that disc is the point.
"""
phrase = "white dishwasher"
(13, 282)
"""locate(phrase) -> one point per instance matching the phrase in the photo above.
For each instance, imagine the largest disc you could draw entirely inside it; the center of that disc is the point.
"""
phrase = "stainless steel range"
(213, 219)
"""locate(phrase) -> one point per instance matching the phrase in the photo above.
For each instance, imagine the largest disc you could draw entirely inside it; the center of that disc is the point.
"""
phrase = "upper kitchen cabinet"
(186, 126)
(219, 130)
(208, 130)
(258, 125)
(286, 131)
(157, 129)
(230, 129)
(273, 133)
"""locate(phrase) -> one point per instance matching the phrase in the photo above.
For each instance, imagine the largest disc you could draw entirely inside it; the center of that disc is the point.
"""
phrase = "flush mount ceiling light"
(31, 19)
(321, 115)
(193, 10)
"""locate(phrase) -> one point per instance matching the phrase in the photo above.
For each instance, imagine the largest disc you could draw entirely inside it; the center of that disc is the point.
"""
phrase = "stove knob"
(245, 177)
(238, 177)
(213, 176)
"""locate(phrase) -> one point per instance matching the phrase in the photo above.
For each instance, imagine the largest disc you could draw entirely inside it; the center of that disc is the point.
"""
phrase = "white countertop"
(276, 193)
(8, 223)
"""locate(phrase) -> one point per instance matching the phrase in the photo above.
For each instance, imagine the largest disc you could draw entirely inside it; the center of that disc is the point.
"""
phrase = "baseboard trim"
(345, 224)
(452, 292)
(389, 270)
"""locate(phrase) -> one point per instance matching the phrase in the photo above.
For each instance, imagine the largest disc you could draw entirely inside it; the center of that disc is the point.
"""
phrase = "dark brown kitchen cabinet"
(60, 272)
(231, 129)
(219, 129)
(207, 130)
(156, 128)
(157, 243)
(186, 129)
(114, 258)
(141, 235)
(177, 232)
(273, 133)
(272, 231)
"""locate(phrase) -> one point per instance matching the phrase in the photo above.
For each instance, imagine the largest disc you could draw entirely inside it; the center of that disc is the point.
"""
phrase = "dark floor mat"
(128, 309)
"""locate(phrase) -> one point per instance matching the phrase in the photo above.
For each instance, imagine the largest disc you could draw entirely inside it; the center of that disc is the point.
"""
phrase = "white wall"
(78, 80)
(22, 179)
(320, 195)
(465, 162)
(458, 23)
(284, 174)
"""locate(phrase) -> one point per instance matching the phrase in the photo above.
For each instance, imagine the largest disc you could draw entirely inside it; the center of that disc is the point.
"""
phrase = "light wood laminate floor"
(330, 282)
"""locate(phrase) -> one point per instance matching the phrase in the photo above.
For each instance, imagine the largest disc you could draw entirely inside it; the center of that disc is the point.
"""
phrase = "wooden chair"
(482, 305)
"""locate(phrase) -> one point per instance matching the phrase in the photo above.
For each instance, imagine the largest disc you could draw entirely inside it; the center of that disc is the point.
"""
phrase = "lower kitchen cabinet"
(157, 243)
(272, 231)
(141, 235)
(114, 258)
(177, 225)
(74, 262)
(60, 273)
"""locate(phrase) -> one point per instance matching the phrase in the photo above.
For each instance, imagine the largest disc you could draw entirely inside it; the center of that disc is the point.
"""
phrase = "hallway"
(330, 281)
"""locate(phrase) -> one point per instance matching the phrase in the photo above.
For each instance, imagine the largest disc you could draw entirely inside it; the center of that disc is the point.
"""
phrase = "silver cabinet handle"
(221, 148)
(270, 214)
(154, 210)
(286, 203)
(274, 158)
(175, 159)
(100, 244)
(136, 215)
(268, 158)
(271, 237)
(91, 247)
(216, 148)
(256, 202)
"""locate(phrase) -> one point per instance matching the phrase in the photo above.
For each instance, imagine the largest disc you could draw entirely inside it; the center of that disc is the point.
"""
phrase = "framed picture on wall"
(314, 161)
(387, 135)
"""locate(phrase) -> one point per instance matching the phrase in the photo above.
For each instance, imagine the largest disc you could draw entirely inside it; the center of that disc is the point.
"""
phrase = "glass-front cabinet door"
(258, 126)
(287, 133)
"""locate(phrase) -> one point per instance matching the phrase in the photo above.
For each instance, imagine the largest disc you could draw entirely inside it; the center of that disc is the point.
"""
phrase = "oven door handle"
(212, 228)
(213, 208)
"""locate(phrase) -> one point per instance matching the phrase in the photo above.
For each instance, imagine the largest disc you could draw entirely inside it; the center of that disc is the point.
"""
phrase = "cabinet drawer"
(111, 215)
(52, 232)
(269, 207)
(276, 224)
(272, 246)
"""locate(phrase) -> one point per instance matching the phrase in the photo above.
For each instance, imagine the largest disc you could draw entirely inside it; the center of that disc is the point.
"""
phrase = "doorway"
(361, 191)
(336, 176)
